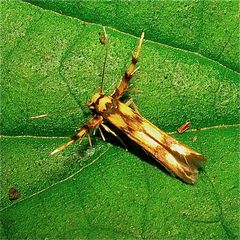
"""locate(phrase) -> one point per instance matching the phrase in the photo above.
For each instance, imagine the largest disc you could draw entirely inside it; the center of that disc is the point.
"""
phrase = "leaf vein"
(59, 182)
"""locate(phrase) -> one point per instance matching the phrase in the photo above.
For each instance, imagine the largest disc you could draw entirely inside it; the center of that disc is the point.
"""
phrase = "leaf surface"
(51, 62)
(209, 28)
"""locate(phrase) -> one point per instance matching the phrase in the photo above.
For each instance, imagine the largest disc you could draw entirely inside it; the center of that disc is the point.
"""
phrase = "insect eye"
(91, 105)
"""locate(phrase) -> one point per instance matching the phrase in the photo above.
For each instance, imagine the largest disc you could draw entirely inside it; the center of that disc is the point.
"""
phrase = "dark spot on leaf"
(13, 194)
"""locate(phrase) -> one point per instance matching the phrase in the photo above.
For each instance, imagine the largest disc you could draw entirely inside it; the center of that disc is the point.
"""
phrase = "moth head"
(95, 100)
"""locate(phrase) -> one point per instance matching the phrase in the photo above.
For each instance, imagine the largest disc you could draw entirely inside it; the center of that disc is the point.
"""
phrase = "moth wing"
(173, 155)
(176, 157)
(184, 167)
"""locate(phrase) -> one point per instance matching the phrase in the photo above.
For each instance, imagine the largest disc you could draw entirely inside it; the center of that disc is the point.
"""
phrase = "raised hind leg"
(119, 91)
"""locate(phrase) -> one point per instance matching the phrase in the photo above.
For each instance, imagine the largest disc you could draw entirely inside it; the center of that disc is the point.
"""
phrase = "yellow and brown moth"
(177, 158)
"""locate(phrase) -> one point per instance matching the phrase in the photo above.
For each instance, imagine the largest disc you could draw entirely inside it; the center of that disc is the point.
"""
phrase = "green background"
(51, 60)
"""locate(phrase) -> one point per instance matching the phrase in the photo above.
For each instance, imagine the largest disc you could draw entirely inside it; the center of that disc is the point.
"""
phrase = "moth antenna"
(105, 42)
(39, 116)
(53, 113)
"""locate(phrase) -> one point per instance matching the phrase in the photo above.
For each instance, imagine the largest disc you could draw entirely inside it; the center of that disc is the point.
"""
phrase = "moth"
(178, 159)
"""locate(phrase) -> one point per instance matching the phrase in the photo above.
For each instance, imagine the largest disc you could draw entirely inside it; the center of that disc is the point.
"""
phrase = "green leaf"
(51, 62)
(209, 28)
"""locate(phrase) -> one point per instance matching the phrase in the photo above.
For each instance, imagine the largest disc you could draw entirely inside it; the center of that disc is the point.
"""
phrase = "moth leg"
(101, 133)
(107, 129)
(92, 123)
(89, 139)
(131, 102)
(119, 91)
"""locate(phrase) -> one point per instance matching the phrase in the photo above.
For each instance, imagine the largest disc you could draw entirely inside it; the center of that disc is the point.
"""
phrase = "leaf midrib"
(171, 133)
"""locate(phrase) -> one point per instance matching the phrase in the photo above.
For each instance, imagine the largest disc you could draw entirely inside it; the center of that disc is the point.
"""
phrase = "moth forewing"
(173, 155)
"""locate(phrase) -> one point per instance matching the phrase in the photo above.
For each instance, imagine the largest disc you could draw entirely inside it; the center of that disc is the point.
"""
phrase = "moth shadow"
(133, 148)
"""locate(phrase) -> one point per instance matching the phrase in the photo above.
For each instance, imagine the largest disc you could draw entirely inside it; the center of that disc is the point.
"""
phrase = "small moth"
(177, 158)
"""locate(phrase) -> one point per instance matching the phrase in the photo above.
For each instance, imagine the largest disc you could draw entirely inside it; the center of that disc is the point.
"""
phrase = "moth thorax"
(95, 98)
(94, 101)
(104, 103)
(100, 102)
